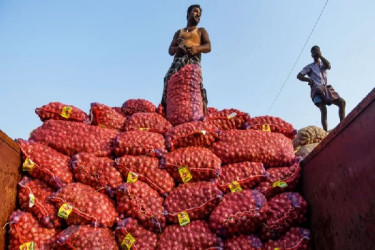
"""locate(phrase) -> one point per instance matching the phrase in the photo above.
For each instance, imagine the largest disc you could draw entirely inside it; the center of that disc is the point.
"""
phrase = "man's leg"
(340, 102)
(323, 113)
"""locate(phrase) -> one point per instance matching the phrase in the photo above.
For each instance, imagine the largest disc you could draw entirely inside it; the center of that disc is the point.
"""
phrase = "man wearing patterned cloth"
(186, 47)
(321, 93)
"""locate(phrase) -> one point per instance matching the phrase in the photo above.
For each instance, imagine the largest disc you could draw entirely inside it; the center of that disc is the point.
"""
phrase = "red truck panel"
(339, 182)
(10, 158)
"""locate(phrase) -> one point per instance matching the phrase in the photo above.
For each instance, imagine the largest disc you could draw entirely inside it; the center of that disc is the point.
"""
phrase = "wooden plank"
(10, 160)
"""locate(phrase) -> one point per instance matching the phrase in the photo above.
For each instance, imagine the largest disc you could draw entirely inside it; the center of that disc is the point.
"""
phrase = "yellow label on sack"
(276, 248)
(128, 241)
(235, 187)
(31, 200)
(295, 151)
(281, 184)
(28, 246)
(183, 218)
(64, 211)
(202, 132)
(66, 111)
(232, 115)
(266, 127)
(132, 177)
(144, 129)
(28, 165)
(185, 174)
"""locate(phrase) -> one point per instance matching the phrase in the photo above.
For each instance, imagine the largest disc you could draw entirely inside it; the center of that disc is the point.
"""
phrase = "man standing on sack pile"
(321, 93)
(187, 45)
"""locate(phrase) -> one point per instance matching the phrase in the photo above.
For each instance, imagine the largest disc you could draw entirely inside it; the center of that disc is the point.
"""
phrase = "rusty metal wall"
(339, 183)
(9, 176)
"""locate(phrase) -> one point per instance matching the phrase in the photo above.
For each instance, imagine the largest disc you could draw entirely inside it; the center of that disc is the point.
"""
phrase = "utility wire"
(304, 46)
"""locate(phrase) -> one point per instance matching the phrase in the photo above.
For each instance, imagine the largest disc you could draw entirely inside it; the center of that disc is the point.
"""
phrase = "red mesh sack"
(106, 117)
(139, 143)
(139, 201)
(244, 242)
(285, 210)
(131, 235)
(72, 137)
(97, 172)
(195, 235)
(191, 134)
(227, 119)
(184, 97)
(45, 163)
(145, 169)
(81, 204)
(211, 110)
(272, 149)
(296, 238)
(151, 122)
(272, 124)
(25, 232)
(132, 106)
(197, 199)
(280, 179)
(160, 110)
(192, 164)
(33, 197)
(60, 111)
(86, 237)
(119, 110)
(243, 175)
(239, 212)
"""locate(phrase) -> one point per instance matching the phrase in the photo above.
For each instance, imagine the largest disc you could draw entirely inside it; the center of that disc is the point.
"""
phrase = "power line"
(304, 46)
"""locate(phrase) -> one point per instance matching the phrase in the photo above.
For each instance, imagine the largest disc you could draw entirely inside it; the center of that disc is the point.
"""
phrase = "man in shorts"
(321, 93)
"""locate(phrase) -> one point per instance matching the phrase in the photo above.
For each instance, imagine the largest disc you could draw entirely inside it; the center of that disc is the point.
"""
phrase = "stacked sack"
(125, 177)
(307, 139)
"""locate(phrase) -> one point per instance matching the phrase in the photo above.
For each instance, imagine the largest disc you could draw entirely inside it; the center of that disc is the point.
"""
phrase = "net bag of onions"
(272, 149)
(131, 235)
(80, 204)
(309, 135)
(280, 179)
(33, 197)
(244, 175)
(146, 169)
(151, 122)
(285, 210)
(272, 124)
(194, 200)
(246, 242)
(132, 106)
(160, 110)
(191, 134)
(60, 111)
(184, 95)
(86, 237)
(139, 143)
(227, 119)
(72, 137)
(192, 164)
(106, 117)
(195, 235)
(26, 233)
(296, 238)
(97, 172)
(239, 212)
(45, 163)
(139, 201)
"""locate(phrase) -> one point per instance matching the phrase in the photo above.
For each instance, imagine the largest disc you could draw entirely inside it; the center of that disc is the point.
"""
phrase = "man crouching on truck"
(187, 45)
(321, 93)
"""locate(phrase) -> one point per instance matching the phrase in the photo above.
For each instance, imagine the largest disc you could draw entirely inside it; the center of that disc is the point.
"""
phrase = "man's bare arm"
(174, 48)
(325, 62)
(304, 79)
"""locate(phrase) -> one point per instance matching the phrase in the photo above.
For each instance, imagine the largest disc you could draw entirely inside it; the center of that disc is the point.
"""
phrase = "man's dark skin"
(193, 18)
(317, 55)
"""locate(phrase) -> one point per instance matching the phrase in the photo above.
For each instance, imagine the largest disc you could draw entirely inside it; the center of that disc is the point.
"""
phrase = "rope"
(295, 63)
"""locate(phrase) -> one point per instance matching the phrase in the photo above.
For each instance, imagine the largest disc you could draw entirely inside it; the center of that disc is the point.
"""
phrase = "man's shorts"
(318, 99)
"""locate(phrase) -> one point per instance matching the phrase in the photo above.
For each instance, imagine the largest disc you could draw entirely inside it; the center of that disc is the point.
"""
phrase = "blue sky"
(79, 52)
